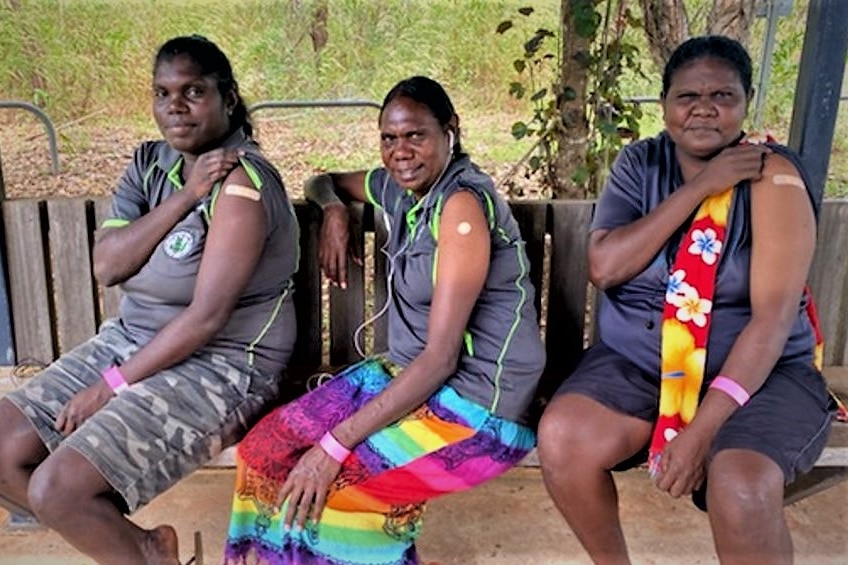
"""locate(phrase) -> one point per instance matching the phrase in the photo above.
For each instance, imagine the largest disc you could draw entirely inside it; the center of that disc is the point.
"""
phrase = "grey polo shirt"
(502, 356)
(261, 330)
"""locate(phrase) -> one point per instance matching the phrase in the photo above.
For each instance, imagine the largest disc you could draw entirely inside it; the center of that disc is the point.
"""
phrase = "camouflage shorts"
(158, 431)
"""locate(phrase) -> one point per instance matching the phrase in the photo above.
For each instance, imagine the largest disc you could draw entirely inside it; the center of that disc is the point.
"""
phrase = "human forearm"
(120, 252)
(320, 190)
(406, 392)
(184, 335)
(330, 189)
(617, 255)
(752, 358)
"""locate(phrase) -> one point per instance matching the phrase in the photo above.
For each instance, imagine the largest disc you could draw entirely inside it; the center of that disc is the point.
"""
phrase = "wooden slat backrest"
(347, 306)
(29, 280)
(307, 294)
(829, 280)
(110, 298)
(566, 314)
(70, 260)
(56, 305)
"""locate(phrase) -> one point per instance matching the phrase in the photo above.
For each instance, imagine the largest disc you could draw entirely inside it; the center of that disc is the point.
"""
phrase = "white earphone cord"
(389, 287)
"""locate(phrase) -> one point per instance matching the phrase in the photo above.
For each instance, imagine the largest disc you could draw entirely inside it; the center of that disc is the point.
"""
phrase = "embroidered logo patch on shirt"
(179, 244)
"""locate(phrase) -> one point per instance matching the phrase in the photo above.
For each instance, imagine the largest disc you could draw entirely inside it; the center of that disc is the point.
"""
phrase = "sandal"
(197, 558)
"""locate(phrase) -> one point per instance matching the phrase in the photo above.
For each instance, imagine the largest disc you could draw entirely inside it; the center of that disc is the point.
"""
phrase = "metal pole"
(819, 87)
(765, 63)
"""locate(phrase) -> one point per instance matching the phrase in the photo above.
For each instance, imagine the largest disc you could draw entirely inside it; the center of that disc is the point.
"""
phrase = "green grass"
(92, 58)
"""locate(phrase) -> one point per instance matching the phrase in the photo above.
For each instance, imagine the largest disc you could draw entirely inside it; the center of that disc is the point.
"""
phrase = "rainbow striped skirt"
(375, 507)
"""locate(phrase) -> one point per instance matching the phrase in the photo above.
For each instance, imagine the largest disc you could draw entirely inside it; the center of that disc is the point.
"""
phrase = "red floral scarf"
(686, 320)
(686, 323)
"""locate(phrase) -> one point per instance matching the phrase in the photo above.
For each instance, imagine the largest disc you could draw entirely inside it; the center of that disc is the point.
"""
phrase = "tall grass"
(74, 57)
(77, 58)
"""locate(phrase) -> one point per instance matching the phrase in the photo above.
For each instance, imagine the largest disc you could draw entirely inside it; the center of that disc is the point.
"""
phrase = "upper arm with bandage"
(780, 172)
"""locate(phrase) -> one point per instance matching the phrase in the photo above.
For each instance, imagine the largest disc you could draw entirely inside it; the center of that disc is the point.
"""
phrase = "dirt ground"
(92, 154)
(509, 521)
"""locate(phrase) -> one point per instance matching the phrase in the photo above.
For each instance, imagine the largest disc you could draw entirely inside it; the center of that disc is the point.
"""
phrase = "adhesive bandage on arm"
(463, 228)
(791, 180)
(242, 191)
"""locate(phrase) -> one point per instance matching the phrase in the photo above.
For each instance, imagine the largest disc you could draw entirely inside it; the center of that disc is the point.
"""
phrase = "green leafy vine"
(612, 119)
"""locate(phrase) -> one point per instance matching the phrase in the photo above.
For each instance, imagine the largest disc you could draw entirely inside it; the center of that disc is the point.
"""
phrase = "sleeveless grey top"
(261, 330)
(502, 356)
(644, 174)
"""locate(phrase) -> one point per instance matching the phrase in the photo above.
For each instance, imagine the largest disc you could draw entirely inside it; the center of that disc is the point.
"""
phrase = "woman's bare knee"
(20, 446)
(62, 484)
(744, 485)
(577, 429)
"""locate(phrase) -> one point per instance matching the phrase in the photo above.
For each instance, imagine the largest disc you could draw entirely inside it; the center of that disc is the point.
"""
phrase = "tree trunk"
(318, 28)
(666, 27)
(732, 18)
(572, 133)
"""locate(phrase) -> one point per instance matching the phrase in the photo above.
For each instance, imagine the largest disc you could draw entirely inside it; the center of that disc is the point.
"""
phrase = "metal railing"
(352, 103)
(48, 125)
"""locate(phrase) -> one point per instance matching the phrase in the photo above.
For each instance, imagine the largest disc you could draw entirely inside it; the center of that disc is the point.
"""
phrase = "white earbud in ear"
(451, 139)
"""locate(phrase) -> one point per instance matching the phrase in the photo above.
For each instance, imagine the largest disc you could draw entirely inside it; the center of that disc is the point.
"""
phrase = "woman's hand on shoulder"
(731, 166)
(209, 168)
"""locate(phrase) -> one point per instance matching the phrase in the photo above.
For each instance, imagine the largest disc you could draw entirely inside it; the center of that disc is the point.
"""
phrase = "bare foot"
(161, 547)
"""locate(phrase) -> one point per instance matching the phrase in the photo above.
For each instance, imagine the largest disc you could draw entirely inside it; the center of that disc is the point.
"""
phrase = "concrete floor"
(510, 521)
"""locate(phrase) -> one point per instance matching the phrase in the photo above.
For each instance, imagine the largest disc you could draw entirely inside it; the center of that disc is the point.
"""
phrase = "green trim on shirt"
(275, 312)
(368, 193)
(174, 174)
(147, 173)
(216, 191)
(252, 173)
(469, 342)
(490, 210)
(522, 292)
(115, 223)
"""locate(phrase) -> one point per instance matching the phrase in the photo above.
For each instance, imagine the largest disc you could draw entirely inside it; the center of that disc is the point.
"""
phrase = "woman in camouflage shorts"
(202, 240)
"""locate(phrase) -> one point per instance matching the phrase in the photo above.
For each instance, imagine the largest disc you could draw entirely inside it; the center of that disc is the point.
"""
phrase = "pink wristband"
(731, 388)
(115, 379)
(333, 448)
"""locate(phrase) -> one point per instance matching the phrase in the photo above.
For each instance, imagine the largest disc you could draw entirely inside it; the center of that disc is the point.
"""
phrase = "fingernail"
(344, 286)
(286, 527)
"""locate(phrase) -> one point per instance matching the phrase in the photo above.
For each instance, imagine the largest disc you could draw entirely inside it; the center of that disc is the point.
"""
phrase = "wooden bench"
(56, 304)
